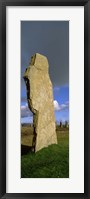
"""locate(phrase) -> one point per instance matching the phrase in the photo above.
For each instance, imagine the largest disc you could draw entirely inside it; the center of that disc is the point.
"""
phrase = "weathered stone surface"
(40, 101)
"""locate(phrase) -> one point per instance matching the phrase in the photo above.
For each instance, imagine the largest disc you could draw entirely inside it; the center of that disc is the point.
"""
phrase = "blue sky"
(50, 38)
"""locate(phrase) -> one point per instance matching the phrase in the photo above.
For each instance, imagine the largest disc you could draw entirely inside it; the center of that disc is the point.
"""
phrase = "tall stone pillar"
(40, 102)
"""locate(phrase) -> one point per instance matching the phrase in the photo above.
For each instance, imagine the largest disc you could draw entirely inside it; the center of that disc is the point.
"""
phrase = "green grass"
(50, 162)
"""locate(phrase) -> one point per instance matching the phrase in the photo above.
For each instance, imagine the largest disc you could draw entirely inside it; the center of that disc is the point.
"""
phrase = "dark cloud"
(50, 38)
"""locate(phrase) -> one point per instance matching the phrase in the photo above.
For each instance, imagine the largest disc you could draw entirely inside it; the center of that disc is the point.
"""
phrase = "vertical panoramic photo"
(44, 99)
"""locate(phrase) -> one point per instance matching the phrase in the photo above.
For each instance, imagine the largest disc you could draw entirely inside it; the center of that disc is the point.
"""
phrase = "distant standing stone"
(40, 102)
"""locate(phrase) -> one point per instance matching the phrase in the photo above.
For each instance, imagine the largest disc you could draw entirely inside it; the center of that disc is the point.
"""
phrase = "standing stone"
(40, 102)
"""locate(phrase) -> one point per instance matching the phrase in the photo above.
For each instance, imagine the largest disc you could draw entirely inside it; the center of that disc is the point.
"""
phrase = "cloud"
(25, 112)
(58, 107)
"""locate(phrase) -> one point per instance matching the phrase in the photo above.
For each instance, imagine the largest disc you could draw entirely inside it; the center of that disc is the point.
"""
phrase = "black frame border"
(3, 5)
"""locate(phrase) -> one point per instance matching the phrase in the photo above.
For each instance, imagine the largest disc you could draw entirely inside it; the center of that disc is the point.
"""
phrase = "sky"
(51, 39)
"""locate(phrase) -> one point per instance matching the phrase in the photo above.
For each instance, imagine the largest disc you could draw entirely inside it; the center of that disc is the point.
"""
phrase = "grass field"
(50, 162)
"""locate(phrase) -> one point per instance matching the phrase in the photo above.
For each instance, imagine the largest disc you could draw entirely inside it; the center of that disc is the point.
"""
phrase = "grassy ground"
(50, 162)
